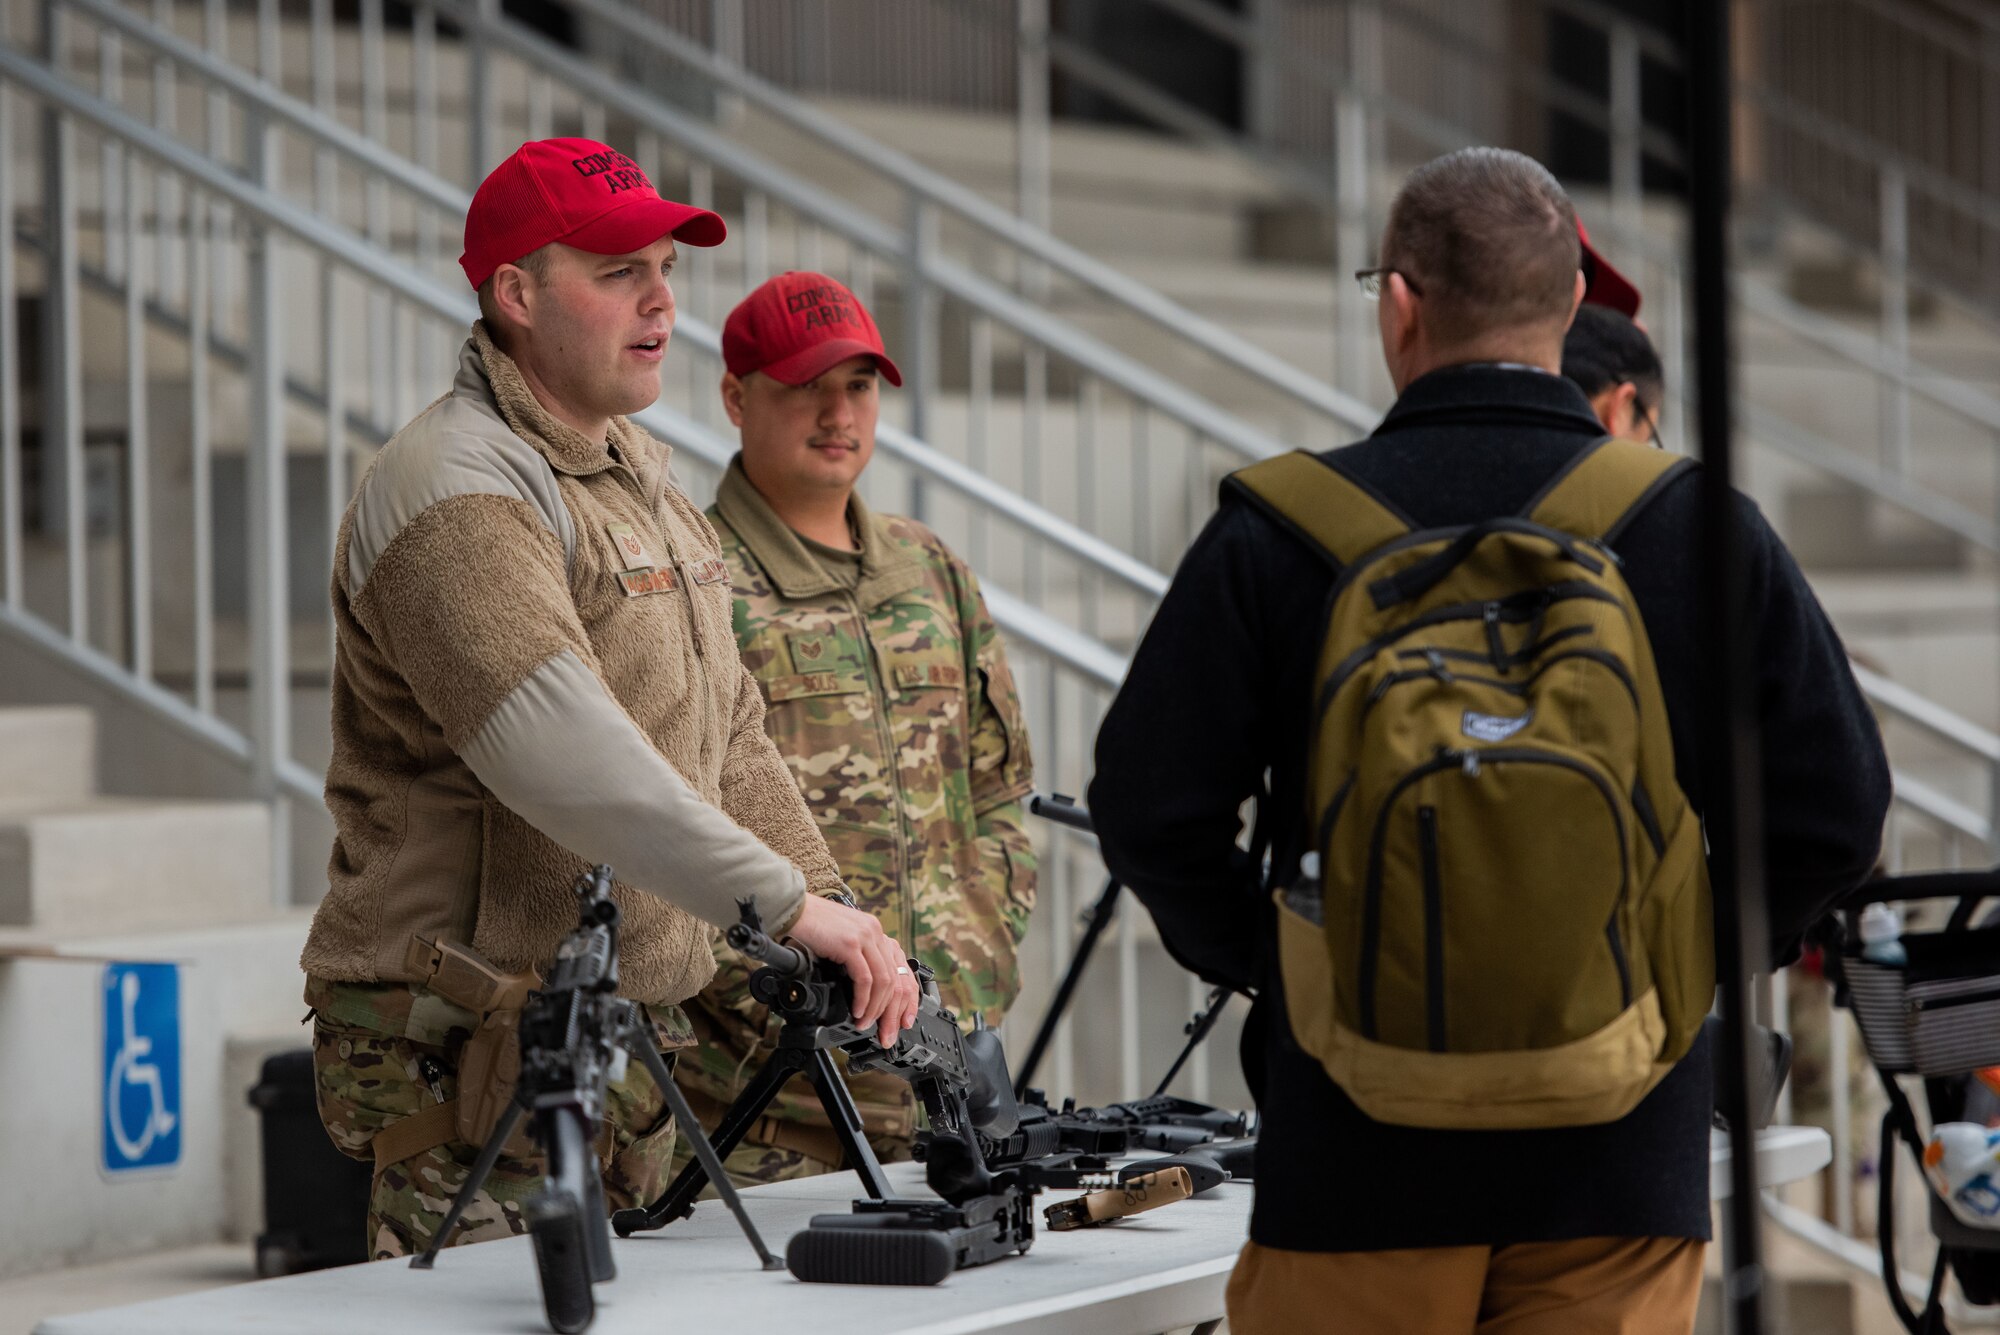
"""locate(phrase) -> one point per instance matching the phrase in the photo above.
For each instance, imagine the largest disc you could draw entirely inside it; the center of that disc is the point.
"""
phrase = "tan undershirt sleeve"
(561, 753)
(470, 599)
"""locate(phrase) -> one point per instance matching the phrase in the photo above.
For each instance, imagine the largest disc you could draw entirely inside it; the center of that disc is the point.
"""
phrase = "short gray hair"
(536, 262)
(1489, 238)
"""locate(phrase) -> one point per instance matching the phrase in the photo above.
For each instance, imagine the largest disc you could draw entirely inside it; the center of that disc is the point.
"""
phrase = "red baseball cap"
(1603, 284)
(579, 192)
(797, 327)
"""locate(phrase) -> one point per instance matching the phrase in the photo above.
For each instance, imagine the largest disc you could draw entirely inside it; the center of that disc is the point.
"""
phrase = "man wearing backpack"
(1484, 945)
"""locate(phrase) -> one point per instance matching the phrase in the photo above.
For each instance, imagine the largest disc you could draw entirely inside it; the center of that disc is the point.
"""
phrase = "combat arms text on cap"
(797, 327)
(579, 192)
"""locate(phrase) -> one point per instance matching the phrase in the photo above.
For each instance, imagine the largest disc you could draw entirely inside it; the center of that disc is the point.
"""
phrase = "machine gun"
(1073, 1146)
(576, 1036)
(961, 1080)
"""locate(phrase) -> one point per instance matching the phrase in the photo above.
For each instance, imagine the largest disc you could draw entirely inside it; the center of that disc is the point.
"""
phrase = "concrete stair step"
(122, 864)
(47, 753)
(1807, 1290)
(31, 1299)
(64, 1209)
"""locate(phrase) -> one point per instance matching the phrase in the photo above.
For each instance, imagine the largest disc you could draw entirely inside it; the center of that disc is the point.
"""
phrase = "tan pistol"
(1149, 1191)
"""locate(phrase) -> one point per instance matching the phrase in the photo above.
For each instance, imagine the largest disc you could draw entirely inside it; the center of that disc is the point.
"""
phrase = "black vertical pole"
(1732, 808)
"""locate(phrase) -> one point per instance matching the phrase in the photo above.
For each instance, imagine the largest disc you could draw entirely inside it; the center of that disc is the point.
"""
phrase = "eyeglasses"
(1371, 281)
(1651, 417)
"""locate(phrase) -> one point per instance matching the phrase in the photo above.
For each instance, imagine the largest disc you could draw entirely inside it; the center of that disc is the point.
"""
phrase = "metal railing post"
(326, 178)
(1128, 1001)
(1627, 139)
(1353, 248)
(62, 499)
(479, 91)
(166, 203)
(726, 40)
(1031, 111)
(1841, 1100)
(267, 553)
(1989, 136)
(1894, 377)
(920, 328)
(1263, 74)
(1993, 810)
(11, 477)
(138, 443)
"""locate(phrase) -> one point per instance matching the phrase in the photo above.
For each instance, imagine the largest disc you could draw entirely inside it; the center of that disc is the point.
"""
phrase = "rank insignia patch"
(811, 651)
(630, 550)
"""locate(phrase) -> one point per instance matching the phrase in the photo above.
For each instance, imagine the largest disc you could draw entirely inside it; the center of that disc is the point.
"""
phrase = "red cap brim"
(1605, 286)
(635, 226)
(811, 363)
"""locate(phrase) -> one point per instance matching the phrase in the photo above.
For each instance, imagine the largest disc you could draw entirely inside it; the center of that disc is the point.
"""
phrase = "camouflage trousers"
(376, 1062)
(752, 1165)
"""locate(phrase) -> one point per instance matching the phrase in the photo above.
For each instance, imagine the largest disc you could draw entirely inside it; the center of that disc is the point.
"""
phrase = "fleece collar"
(485, 370)
(887, 566)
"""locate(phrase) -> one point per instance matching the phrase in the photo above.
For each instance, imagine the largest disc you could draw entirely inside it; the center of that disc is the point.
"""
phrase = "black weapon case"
(315, 1197)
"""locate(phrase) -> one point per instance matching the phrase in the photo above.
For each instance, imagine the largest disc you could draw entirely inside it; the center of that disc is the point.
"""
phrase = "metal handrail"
(1908, 375)
(1771, 430)
(1942, 808)
(296, 115)
(1024, 317)
(1101, 556)
(1072, 649)
(207, 730)
(1442, 135)
(1860, 144)
(1932, 31)
(998, 223)
(1768, 303)
(1939, 722)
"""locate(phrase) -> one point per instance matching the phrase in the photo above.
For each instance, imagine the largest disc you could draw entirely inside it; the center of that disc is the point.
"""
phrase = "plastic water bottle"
(1882, 936)
(1306, 897)
(1962, 1164)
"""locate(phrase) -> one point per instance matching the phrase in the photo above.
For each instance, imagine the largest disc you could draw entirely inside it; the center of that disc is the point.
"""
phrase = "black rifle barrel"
(1062, 810)
(758, 945)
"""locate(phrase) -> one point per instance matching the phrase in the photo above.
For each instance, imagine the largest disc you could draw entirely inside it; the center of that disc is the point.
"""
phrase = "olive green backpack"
(1504, 921)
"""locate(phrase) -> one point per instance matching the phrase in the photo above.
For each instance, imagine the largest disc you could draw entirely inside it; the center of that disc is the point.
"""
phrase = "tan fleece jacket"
(534, 671)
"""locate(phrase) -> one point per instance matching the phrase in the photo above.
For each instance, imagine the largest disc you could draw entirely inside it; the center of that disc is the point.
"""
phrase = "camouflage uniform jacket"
(893, 705)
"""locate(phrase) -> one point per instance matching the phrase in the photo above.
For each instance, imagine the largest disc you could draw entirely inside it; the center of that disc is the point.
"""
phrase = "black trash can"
(315, 1197)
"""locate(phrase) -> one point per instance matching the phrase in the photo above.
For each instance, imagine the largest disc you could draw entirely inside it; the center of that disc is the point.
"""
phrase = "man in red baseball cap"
(889, 696)
(534, 674)
(1603, 285)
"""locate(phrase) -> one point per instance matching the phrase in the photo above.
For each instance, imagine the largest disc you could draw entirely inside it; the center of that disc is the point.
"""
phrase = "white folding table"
(1150, 1273)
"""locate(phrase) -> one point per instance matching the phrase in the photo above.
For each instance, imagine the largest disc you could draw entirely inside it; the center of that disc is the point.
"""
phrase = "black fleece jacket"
(1215, 707)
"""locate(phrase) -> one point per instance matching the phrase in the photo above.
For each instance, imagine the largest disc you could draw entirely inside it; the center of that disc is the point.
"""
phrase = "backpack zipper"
(1427, 848)
(1540, 602)
(1446, 677)
(1470, 761)
(1528, 654)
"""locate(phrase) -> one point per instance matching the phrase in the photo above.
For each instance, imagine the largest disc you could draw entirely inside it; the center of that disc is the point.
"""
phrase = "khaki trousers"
(1592, 1286)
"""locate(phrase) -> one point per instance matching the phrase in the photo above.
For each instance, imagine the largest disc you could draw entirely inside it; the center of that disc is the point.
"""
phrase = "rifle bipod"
(568, 1217)
(795, 1054)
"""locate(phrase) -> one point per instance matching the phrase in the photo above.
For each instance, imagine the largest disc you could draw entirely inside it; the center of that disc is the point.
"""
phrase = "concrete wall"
(61, 1207)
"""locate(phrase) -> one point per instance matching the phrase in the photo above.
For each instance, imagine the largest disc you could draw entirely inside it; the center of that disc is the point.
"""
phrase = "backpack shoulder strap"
(1333, 513)
(1604, 488)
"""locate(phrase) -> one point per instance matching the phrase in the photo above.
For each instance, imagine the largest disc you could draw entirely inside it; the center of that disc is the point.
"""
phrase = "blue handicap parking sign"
(142, 1066)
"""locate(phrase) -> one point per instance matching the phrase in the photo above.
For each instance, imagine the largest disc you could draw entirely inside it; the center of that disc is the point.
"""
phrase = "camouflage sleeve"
(1003, 771)
(759, 793)
(1007, 865)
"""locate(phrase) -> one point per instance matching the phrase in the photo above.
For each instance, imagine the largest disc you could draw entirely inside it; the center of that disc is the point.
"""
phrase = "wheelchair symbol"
(130, 1067)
